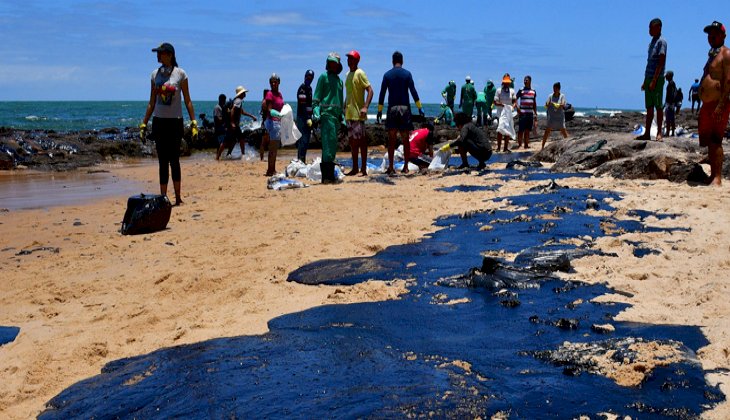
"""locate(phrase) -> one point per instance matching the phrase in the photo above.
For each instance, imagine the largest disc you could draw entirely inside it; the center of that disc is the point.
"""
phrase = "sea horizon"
(80, 115)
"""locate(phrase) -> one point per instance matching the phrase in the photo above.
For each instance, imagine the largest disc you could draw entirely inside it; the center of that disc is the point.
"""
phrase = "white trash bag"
(506, 124)
(289, 131)
(440, 161)
(297, 168)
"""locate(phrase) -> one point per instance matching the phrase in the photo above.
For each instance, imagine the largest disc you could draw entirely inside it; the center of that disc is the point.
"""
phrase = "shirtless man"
(714, 91)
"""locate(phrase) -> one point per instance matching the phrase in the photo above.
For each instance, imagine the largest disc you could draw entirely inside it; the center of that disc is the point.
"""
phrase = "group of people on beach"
(711, 93)
(333, 104)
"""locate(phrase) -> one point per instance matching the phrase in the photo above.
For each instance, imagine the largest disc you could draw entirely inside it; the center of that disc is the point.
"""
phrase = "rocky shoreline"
(60, 151)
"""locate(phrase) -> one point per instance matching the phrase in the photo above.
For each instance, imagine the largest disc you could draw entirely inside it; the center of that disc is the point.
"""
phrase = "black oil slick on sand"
(440, 350)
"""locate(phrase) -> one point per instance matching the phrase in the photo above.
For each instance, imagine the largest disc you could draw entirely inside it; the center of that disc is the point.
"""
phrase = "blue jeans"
(274, 128)
(303, 141)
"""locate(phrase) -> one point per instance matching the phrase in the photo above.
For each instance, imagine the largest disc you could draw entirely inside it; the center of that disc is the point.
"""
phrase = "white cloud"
(22, 73)
(291, 18)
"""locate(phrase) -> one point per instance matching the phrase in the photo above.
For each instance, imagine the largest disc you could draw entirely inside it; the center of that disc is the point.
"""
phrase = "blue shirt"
(397, 81)
(657, 47)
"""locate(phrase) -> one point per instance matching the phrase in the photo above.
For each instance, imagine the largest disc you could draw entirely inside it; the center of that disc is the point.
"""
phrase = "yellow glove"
(436, 121)
(142, 131)
(194, 129)
(309, 123)
(445, 148)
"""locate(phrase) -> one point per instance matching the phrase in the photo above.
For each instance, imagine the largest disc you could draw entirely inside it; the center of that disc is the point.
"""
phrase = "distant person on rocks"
(468, 97)
(449, 94)
(653, 85)
(304, 114)
(555, 114)
(234, 126)
(273, 103)
(398, 82)
(446, 116)
(714, 90)
(670, 103)
(527, 113)
(678, 103)
(490, 90)
(205, 122)
(220, 120)
(356, 112)
(694, 95)
(505, 96)
(472, 140)
(168, 89)
(421, 143)
(328, 103)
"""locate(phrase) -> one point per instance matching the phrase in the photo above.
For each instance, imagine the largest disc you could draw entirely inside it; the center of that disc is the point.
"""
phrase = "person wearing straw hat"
(234, 127)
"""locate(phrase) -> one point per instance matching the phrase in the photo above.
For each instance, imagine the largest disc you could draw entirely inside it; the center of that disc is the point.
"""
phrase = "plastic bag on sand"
(250, 154)
(289, 131)
(297, 168)
(506, 124)
(440, 160)
(281, 182)
(314, 171)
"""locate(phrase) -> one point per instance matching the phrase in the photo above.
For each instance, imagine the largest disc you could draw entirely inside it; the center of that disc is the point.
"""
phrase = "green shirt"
(355, 84)
(328, 95)
(468, 94)
(450, 91)
(490, 95)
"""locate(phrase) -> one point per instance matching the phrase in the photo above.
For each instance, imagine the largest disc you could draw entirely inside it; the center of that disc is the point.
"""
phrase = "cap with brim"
(715, 26)
(164, 47)
(240, 90)
(468, 78)
(506, 79)
(354, 54)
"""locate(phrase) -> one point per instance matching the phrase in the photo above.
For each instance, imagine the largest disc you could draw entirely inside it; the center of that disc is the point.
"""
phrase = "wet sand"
(220, 267)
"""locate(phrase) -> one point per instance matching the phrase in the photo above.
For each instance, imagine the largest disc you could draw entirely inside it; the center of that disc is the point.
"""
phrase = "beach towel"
(506, 124)
(289, 131)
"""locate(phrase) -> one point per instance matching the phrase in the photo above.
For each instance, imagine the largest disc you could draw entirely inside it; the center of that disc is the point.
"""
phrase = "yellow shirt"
(355, 85)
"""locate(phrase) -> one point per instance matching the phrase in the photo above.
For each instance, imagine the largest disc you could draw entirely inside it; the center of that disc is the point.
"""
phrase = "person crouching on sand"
(472, 139)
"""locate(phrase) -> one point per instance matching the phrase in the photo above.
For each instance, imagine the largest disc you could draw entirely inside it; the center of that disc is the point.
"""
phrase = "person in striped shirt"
(527, 110)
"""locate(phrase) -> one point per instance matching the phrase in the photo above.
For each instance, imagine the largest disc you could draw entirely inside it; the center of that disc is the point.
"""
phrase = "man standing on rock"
(694, 95)
(356, 111)
(653, 85)
(527, 112)
(449, 94)
(714, 91)
(468, 97)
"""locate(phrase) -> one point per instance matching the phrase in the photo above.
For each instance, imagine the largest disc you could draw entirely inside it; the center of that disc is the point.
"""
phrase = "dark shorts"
(711, 130)
(482, 155)
(669, 113)
(399, 118)
(526, 122)
(356, 132)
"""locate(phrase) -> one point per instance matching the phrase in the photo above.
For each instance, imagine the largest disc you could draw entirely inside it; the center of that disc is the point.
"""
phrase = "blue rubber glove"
(275, 113)
(379, 117)
(421, 113)
(315, 114)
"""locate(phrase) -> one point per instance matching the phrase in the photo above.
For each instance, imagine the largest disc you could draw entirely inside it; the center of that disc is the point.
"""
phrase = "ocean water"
(96, 115)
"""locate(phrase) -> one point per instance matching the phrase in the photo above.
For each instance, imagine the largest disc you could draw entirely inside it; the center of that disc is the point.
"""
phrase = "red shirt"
(276, 101)
(417, 142)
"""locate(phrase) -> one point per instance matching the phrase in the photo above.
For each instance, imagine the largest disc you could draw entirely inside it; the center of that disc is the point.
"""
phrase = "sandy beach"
(220, 268)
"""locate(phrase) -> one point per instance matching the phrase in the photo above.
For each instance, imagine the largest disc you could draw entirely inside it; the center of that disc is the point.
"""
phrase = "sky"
(101, 50)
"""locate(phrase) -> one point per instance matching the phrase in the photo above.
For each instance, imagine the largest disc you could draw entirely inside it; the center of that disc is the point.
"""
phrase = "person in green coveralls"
(481, 104)
(468, 96)
(490, 91)
(328, 103)
(449, 94)
(446, 116)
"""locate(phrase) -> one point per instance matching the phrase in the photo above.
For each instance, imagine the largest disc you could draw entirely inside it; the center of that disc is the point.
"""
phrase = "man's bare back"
(718, 73)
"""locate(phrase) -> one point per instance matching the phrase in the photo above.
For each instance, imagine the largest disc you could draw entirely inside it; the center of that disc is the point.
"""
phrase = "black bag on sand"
(146, 213)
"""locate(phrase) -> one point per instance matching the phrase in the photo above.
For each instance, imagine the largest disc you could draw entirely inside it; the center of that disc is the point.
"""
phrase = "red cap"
(354, 54)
